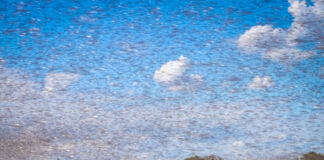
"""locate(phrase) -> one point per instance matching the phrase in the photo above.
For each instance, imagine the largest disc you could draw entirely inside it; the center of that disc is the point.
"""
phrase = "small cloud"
(172, 70)
(59, 81)
(173, 75)
(261, 82)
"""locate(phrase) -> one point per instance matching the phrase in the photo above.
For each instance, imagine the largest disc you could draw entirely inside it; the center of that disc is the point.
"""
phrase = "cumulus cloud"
(172, 70)
(59, 81)
(261, 38)
(308, 22)
(261, 82)
(173, 74)
(283, 45)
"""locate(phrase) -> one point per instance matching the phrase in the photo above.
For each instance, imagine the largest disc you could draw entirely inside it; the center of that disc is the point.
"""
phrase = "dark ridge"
(211, 157)
(312, 156)
(307, 156)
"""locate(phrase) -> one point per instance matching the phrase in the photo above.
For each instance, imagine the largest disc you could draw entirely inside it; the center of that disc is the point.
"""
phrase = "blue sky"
(129, 40)
(116, 47)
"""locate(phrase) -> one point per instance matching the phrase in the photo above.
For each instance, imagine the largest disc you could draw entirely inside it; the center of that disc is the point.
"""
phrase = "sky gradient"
(161, 80)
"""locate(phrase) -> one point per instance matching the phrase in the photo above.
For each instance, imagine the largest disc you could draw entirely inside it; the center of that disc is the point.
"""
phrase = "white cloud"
(282, 45)
(261, 38)
(261, 82)
(172, 70)
(173, 75)
(287, 54)
(308, 22)
(59, 81)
